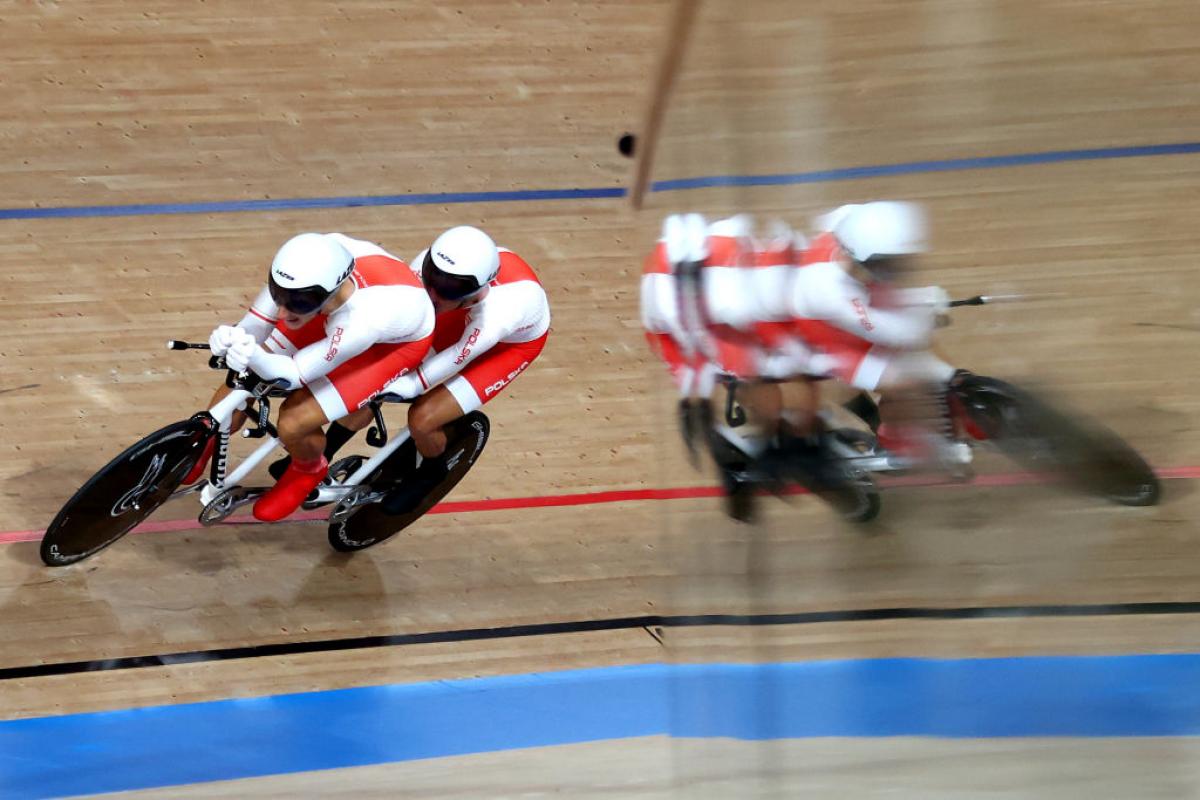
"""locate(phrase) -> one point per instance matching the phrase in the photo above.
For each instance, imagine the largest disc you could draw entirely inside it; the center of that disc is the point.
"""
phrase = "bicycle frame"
(876, 462)
(221, 480)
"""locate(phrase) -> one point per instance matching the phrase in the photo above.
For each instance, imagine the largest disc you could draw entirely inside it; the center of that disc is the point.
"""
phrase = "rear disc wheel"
(369, 524)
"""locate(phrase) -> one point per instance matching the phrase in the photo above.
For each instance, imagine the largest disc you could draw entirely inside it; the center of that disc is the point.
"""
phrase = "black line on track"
(615, 624)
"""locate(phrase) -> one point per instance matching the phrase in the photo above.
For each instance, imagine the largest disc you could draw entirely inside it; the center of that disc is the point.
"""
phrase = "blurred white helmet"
(881, 229)
(686, 239)
(460, 262)
(307, 270)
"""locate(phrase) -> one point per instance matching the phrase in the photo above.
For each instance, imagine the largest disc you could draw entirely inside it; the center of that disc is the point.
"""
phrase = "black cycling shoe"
(741, 504)
(278, 467)
(695, 421)
(865, 408)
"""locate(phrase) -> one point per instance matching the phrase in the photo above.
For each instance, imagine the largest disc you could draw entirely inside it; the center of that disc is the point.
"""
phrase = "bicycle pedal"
(314, 499)
(355, 499)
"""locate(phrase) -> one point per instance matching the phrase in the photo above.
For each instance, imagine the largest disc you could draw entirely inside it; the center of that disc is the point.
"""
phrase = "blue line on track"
(284, 204)
(526, 195)
(1068, 696)
(913, 167)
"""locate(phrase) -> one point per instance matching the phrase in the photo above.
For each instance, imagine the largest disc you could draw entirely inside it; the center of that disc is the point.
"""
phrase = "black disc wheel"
(371, 524)
(126, 491)
(853, 495)
(1042, 438)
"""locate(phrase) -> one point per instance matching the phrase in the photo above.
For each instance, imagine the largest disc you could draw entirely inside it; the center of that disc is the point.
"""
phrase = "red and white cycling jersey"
(746, 283)
(746, 278)
(685, 355)
(857, 329)
(480, 349)
(347, 356)
(778, 307)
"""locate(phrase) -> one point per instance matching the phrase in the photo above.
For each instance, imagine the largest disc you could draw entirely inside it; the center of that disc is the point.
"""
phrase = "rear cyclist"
(492, 322)
(338, 319)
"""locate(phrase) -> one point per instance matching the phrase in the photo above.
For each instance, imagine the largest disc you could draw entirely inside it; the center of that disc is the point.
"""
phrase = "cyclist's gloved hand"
(240, 351)
(940, 299)
(931, 300)
(221, 338)
(941, 306)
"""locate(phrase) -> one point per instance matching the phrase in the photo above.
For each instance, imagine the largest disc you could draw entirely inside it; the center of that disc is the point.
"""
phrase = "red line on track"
(587, 499)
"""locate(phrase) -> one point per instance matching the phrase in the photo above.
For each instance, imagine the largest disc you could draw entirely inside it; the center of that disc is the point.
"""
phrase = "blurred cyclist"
(714, 300)
(871, 333)
(673, 340)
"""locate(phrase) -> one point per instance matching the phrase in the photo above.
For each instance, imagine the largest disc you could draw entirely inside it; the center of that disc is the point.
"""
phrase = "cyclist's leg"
(428, 416)
(339, 432)
(287, 341)
(348, 387)
(300, 423)
(239, 419)
(300, 430)
(479, 383)
(801, 396)
(913, 385)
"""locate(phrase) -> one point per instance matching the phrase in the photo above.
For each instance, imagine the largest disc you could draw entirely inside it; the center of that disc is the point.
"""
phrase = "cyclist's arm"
(660, 309)
(484, 329)
(934, 297)
(261, 317)
(832, 296)
(319, 358)
(510, 312)
(904, 329)
(391, 314)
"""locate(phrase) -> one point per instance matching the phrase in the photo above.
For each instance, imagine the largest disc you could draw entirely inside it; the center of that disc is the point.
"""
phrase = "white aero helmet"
(879, 230)
(307, 270)
(460, 262)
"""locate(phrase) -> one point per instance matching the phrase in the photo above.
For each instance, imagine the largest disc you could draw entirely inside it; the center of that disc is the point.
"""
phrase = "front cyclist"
(493, 320)
(338, 319)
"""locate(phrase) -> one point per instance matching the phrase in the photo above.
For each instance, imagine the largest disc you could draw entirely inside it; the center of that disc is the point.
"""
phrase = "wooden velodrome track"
(115, 104)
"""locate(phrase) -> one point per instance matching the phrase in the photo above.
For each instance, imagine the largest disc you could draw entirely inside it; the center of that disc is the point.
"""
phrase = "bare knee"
(423, 419)
(357, 420)
(290, 426)
(293, 424)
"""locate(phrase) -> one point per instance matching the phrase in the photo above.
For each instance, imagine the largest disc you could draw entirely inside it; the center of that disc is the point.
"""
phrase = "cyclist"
(673, 340)
(873, 334)
(714, 300)
(493, 320)
(338, 319)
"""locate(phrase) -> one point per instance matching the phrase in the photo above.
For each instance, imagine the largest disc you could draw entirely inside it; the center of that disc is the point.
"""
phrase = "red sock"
(198, 470)
(295, 485)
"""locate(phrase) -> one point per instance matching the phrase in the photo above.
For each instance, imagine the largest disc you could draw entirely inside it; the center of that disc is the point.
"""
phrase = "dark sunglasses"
(299, 301)
(447, 286)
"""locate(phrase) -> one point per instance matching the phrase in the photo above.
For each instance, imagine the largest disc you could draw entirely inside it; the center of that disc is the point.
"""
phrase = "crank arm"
(195, 488)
